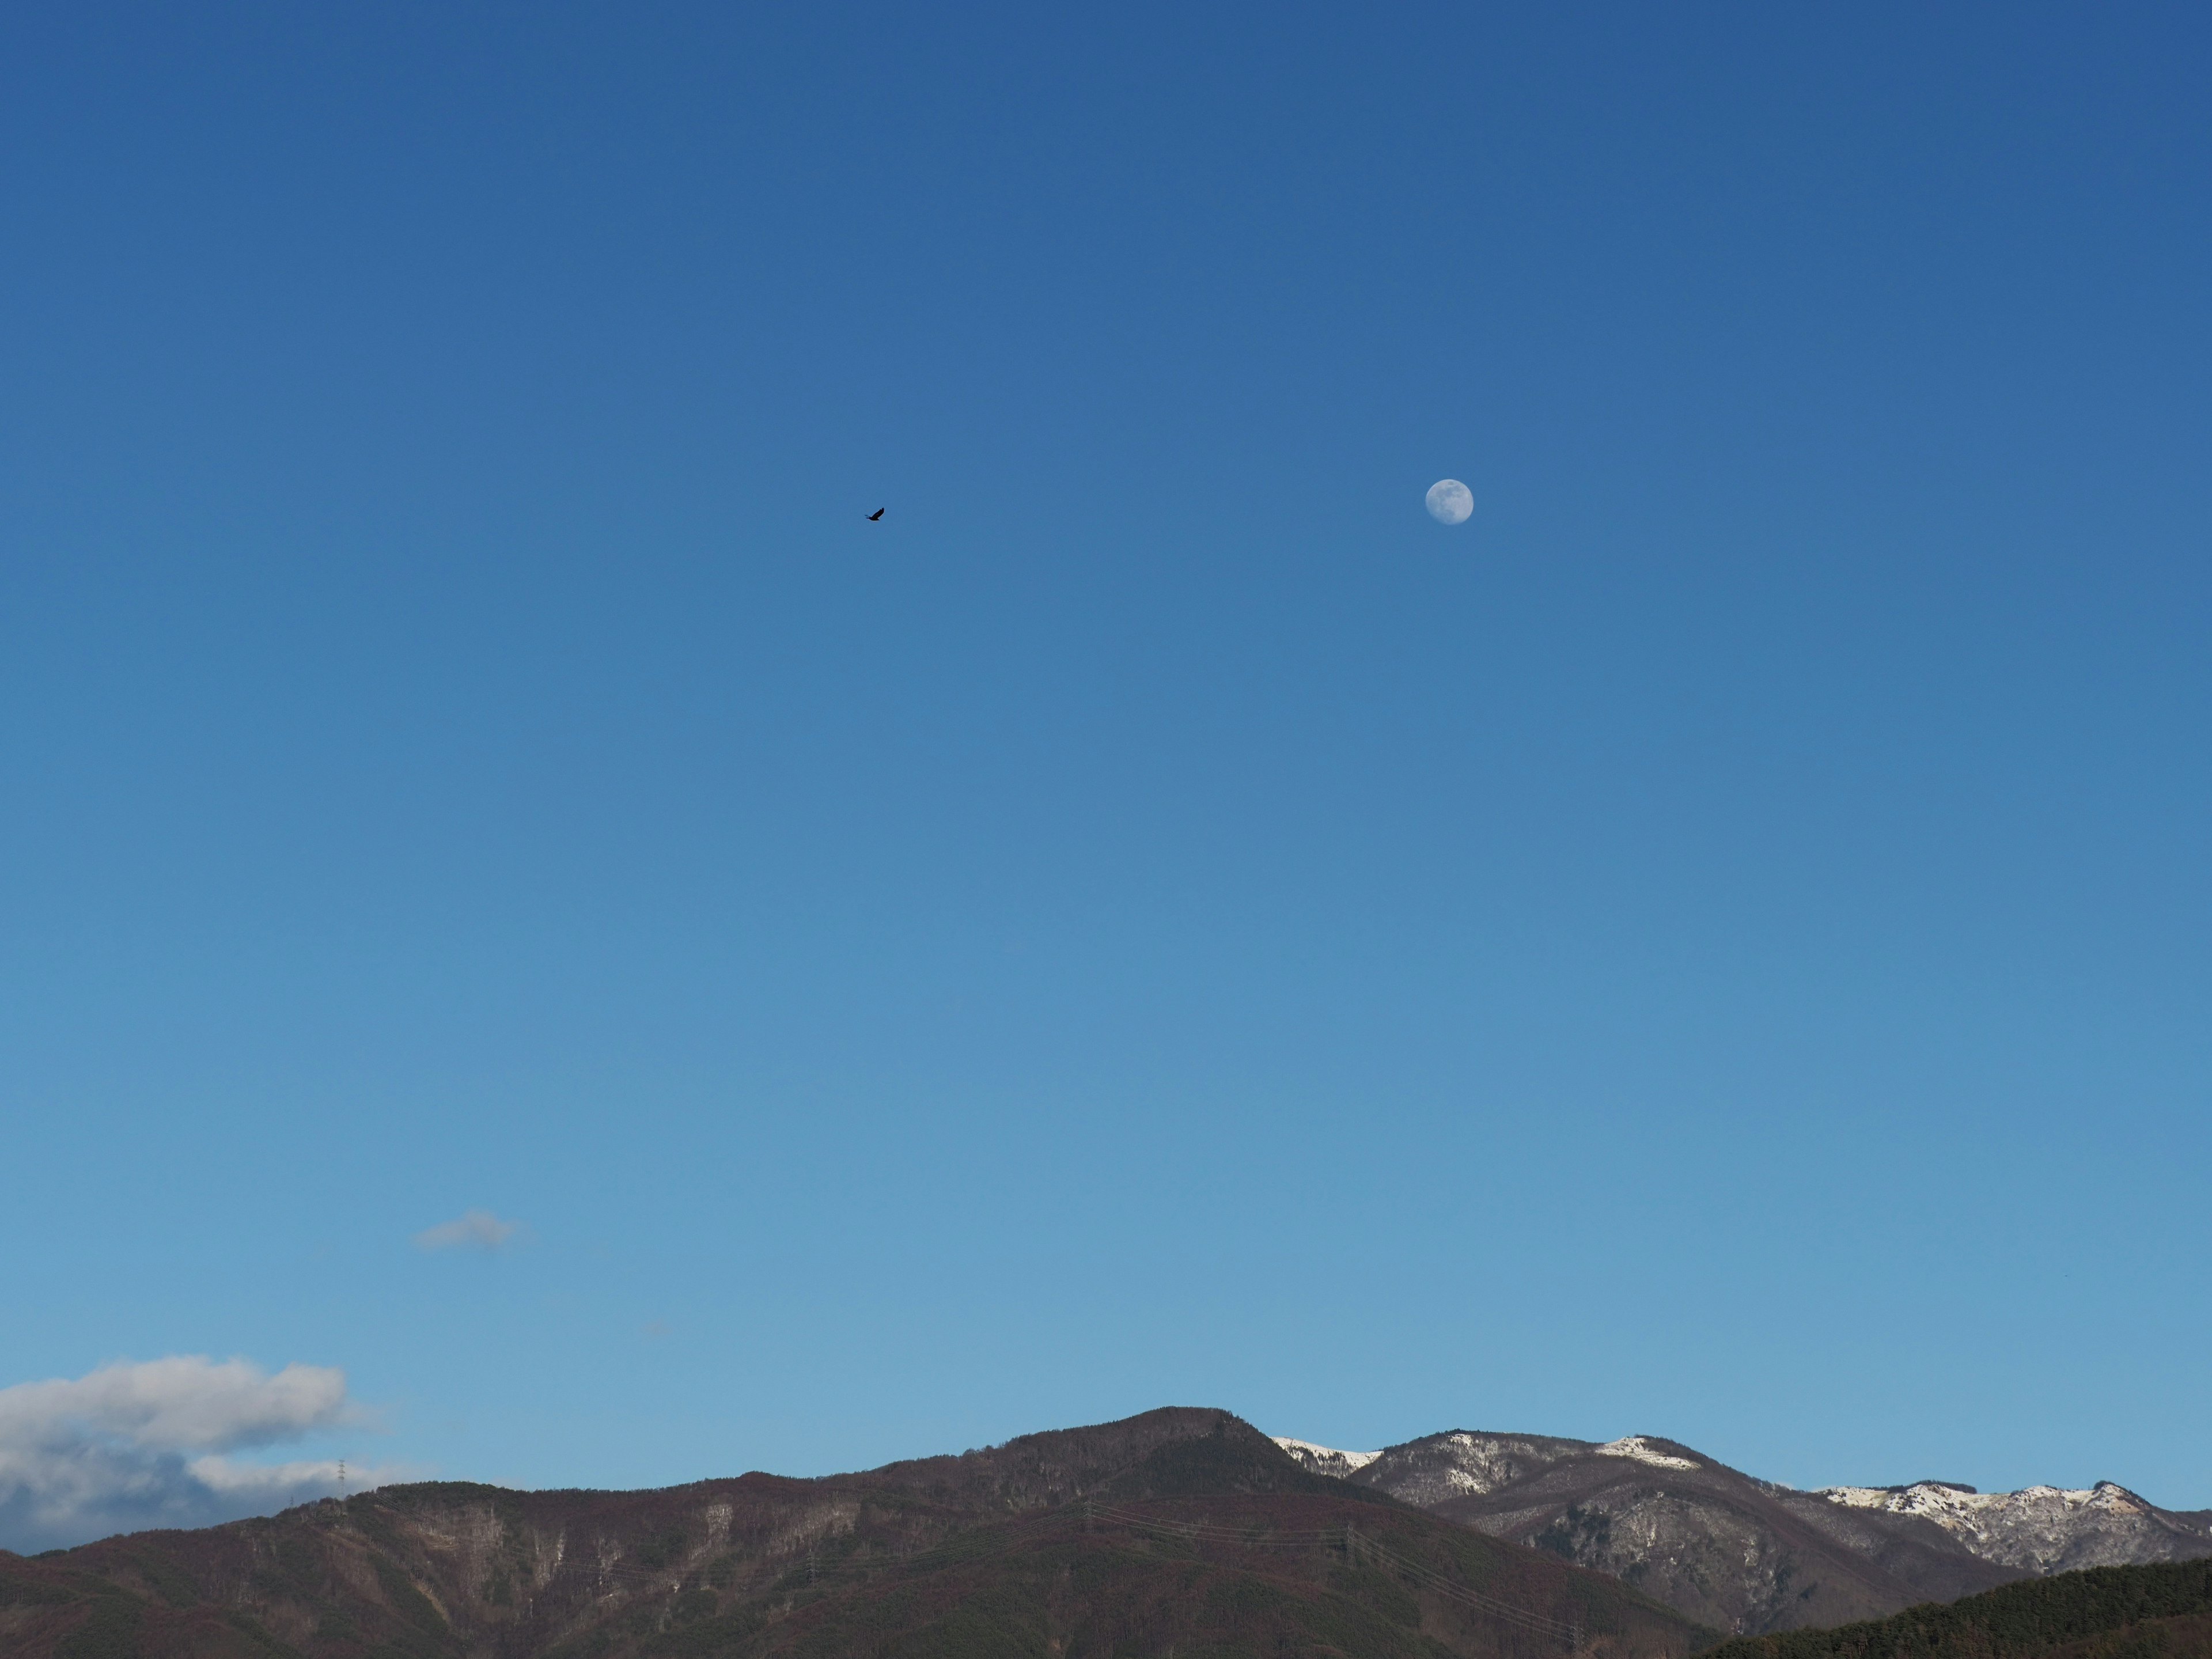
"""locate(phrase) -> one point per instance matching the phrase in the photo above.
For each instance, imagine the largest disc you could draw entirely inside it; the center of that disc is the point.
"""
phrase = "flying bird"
(875, 515)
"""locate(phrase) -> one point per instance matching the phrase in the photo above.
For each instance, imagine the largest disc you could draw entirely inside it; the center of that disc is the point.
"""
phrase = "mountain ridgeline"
(1183, 1532)
(1749, 1556)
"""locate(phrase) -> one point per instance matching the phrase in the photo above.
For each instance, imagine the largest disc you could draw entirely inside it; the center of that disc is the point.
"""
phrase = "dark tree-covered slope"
(2101, 1612)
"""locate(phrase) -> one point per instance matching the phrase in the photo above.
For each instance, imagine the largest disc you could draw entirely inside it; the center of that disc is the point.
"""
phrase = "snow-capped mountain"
(1749, 1555)
(2042, 1529)
(1323, 1461)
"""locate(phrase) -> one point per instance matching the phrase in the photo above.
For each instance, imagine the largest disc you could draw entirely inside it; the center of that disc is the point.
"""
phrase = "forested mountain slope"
(1180, 1529)
(2161, 1612)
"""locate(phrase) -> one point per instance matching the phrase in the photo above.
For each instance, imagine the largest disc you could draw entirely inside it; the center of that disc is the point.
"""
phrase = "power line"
(1542, 1624)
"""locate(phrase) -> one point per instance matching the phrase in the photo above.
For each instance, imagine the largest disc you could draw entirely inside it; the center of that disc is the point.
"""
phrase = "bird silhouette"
(875, 515)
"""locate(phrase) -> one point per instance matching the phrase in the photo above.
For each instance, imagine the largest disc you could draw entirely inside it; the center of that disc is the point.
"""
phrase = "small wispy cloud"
(475, 1229)
(129, 1446)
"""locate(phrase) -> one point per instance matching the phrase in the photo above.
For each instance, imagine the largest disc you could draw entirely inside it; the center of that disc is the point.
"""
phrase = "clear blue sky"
(1718, 946)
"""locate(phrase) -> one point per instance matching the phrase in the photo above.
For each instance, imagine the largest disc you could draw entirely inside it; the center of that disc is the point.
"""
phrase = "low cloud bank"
(131, 1446)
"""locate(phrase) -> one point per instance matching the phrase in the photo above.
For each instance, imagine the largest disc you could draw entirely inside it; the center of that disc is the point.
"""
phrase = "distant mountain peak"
(1751, 1555)
(1936, 1499)
(1325, 1460)
(2038, 1530)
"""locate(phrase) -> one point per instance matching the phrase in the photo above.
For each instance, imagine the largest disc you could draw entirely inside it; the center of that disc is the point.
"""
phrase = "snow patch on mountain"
(1959, 1508)
(2039, 1528)
(1325, 1460)
(1640, 1448)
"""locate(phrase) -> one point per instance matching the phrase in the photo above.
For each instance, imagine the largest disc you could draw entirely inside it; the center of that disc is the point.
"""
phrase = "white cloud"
(130, 1446)
(477, 1229)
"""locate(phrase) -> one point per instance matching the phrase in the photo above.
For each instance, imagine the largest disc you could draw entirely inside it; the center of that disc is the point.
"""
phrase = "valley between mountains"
(1183, 1532)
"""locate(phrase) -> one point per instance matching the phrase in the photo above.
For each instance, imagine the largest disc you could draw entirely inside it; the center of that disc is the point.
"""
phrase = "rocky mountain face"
(2045, 1529)
(1750, 1556)
(1178, 1531)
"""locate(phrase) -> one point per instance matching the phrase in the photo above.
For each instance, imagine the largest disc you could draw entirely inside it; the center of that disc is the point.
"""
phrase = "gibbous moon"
(1450, 501)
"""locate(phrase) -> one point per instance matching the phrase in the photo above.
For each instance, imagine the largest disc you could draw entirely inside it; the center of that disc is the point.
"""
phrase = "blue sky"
(1714, 946)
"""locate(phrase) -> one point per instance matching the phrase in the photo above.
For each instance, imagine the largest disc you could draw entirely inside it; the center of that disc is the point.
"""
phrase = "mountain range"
(1182, 1533)
(1178, 1533)
(1752, 1556)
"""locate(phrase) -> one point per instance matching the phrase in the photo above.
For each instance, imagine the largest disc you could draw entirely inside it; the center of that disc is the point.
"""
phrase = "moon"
(1450, 501)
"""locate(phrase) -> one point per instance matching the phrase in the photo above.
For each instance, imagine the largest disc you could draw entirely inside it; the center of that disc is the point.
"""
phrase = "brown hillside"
(1183, 1530)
